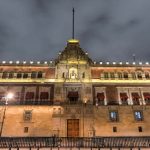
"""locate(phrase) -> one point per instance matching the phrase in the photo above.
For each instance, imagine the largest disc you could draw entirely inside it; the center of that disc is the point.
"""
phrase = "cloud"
(108, 30)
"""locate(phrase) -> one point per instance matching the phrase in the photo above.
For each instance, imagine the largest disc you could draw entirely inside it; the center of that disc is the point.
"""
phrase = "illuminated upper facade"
(74, 96)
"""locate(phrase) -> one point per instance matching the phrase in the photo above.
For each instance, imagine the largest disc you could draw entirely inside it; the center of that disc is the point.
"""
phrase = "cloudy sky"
(111, 30)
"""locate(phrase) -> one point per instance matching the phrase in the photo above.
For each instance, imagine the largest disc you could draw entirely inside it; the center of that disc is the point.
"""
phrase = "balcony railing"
(28, 102)
(78, 142)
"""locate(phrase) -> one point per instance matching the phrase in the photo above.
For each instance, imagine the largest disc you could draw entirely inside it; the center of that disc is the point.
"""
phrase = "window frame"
(141, 114)
(116, 119)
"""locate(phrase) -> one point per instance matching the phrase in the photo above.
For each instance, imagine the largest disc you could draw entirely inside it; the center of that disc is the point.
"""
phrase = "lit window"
(27, 116)
(138, 115)
(113, 115)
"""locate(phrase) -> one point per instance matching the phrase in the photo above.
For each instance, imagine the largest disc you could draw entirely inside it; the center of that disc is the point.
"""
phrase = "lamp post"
(85, 101)
(6, 98)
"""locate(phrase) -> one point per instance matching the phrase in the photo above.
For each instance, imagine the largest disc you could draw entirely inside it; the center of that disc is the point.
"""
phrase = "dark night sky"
(107, 29)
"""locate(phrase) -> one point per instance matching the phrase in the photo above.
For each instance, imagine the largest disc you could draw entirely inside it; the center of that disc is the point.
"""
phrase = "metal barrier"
(82, 142)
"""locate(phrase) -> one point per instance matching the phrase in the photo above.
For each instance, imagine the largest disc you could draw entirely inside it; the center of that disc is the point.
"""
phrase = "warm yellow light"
(73, 41)
(9, 96)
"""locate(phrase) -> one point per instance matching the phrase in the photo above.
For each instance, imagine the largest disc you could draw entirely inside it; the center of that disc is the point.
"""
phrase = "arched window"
(133, 75)
(106, 75)
(125, 75)
(112, 75)
(4, 75)
(33, 75)
(11, 75)
(25, 75)
(139, 75)
(39, 75)
(19, 75)
(147, 76)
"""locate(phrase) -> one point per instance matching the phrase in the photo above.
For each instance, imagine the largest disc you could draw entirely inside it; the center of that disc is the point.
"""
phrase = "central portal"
(73, 128)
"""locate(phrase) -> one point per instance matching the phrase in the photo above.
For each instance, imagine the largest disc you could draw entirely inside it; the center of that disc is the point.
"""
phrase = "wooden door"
(73, 127)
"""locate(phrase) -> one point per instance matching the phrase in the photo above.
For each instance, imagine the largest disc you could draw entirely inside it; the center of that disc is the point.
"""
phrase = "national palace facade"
(74, 96)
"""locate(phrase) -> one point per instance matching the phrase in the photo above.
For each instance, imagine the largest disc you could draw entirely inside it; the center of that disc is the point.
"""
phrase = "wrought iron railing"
(83, 142)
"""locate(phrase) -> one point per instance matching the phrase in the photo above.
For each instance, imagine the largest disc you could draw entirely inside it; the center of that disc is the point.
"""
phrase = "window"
(147, 76)
(40, 75)
(100, 98)
(11, 75)
(27, 116)
(25, 75)
(114, 129)
(106, 75)
(138, 115)
(124, 98)
(139, 75)
(83, 75)
(33, 75)
(135, 98)
(44, 95)
(63, 75)
(19, 75)
(133, 75)
(140, 129)
(125, 75)
(112, 75)
(17, 96)
(113, 115)
(119, 75)
(4, 75)
(26, 129)
(29, 96)
(147, 97)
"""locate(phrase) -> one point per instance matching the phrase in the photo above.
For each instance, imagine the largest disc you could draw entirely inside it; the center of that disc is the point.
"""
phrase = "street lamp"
(85, 102)
(6, 98)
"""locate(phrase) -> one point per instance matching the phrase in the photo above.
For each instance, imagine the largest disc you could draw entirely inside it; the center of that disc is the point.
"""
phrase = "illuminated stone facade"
(74, 96)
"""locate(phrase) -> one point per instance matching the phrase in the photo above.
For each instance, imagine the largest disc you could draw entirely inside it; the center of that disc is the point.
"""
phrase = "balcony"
(28, 102)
